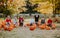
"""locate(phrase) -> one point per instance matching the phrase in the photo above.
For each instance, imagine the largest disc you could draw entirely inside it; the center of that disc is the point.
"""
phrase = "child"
(15, 22)
(21, 20)
(49, 22)
(36, 18)
(32, 21)
(43, 20)
(8, 20)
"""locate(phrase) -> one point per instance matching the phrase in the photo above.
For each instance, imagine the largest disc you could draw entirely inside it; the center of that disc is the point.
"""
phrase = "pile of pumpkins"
(42, 27)
(7, 27)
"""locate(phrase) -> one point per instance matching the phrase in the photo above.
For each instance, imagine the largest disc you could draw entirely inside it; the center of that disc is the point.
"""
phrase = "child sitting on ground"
(32, 20)
(49, 22)
(8, 20)
(21, 20)
(43, 20)
(15, 22)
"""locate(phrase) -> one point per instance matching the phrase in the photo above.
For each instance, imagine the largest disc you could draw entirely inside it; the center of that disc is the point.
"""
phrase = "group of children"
(42, 21)
(34, 19)
(14, 20)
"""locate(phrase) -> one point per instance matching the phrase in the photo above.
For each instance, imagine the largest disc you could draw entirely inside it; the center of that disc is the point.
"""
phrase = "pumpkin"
(5, 28)
(0, 27)
(12, 25)
(42, 26)
(53, 26)
(10, 28)
(48, 28)
(28, 24)
(38, 23)
(32, 28)
(34, 25)
(3, 23)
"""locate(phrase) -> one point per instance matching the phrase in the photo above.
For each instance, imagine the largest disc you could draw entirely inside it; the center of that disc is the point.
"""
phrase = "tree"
(30, 8)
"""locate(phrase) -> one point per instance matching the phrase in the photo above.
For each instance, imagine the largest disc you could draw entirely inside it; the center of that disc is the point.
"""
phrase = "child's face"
(49, 17)
(8, 17)
(43, 18)
(21, 16)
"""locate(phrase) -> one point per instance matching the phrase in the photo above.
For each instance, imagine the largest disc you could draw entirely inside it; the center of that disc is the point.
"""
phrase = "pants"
(50, 25)
(8, 24)
(42, 23)
(36, 22)
(15, 23)
(31, 24)
(21, 24)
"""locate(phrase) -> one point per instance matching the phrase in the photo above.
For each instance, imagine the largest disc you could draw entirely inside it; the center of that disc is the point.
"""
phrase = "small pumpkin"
(38, 23)
(53, 26)
(0, 27)
(3, 23)
(5, 28)
(34, 25)
(12, 25)
(42, 26)
(28, 24)
(48, 28)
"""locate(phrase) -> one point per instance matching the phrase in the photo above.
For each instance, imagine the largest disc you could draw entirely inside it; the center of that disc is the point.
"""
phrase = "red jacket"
(8, 20)
(21, 19)
(49, 21)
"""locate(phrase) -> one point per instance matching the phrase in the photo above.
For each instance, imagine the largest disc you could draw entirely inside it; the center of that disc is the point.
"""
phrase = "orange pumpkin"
(10, 28)
(42, 26)
(5, 28)
(53, 26)
(32, 28)
(3, 23)
(0, 27)
(34, 25)
(38, 23)
(48, 28)
(11, 25)
(28, 24)
(14, 26)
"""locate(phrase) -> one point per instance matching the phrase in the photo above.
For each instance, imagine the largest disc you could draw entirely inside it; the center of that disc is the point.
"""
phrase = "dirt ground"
(22, 32)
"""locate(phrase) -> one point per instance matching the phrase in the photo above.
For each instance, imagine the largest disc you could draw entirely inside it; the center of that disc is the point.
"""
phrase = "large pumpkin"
(10, 28)
(53, 26)
(32, 28)
(48, 28)
(42, 26)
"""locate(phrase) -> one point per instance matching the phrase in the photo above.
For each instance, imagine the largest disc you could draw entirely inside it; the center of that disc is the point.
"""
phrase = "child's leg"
(30, 24)
(50, 25)
(7, 23)
(21, 24)
(36, 23)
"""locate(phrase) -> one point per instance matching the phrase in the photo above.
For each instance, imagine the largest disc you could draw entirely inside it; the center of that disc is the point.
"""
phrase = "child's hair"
(49, 17)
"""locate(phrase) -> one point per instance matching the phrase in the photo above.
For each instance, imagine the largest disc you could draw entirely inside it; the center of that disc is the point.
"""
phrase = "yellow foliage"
(15, 4)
